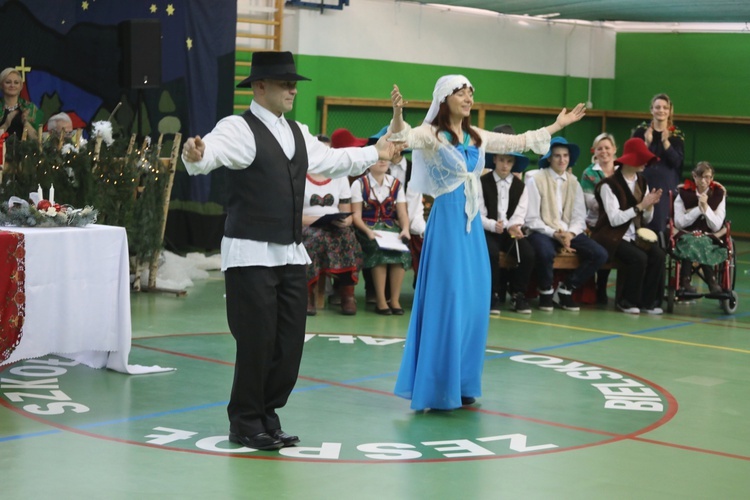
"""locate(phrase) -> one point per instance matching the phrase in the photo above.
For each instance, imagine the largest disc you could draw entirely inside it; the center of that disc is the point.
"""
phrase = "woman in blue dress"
(444, 354)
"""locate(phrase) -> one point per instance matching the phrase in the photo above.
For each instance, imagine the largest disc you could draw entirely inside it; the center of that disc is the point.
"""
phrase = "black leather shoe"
(260, 441)
(286, 439)
(465, 400)
(383, 312)
(397, 311)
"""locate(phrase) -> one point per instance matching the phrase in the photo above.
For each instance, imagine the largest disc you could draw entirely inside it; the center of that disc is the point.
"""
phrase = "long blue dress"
(445, 345)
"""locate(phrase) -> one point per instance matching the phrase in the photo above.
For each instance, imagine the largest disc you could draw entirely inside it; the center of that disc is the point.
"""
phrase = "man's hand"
(499, 226)
(193, 149)
(516, 232)
(564, 238)
(387, 149)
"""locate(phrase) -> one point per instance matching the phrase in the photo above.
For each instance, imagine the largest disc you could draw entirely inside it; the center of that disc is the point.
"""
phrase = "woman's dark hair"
(324, 138)
(442, 122)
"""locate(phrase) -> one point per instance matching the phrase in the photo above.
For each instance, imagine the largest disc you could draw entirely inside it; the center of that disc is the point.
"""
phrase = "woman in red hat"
(626, 206)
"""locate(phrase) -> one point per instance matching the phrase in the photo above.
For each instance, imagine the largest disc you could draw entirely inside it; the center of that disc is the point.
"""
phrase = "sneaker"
(627, 307)
(520, 304)
(545, 300)
(565, 295)
(495, 307)
(654, 310)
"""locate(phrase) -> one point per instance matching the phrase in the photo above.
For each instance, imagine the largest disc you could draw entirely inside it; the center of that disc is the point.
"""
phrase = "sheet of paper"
(390, 241)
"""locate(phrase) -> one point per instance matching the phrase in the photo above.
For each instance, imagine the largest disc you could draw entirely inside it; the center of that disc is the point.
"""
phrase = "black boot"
(710, 277)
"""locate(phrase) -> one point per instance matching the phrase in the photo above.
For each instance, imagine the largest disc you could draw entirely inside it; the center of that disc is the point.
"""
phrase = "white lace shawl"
(439, 168)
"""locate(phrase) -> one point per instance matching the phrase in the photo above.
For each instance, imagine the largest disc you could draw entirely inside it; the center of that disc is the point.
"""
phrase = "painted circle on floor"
(343, 406)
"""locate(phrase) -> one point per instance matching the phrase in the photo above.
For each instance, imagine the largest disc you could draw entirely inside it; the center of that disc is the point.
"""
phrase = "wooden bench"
(564, 261)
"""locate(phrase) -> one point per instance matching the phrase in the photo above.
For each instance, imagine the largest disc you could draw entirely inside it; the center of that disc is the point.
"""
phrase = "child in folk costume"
(700, 209)
(379, 204)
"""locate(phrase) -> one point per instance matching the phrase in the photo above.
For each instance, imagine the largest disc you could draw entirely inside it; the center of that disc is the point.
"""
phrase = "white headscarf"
(440, 171)
(445, 86)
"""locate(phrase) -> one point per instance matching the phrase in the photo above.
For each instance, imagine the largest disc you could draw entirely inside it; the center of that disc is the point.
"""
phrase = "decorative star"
(152, 8)
(85, 5)
(189, 43)
(170, 9)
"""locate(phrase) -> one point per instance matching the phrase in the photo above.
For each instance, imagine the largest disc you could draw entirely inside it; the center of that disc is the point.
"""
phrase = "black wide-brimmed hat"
(272, 66)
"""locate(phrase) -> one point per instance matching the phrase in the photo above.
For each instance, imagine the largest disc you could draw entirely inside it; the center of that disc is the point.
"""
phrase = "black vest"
(265, 199)
(489, 191)
(690, 200)
(607, 236)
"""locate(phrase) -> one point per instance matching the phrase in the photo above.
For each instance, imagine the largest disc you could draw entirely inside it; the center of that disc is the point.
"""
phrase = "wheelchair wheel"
(730, 305)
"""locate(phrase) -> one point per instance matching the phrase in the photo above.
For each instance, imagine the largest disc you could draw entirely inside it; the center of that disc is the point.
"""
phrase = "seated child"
(503, 200)
(700, 206)
(379, 203)
(333, 248)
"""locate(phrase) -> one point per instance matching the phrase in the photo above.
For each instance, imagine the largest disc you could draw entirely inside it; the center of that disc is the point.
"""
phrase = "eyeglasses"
(285, 85)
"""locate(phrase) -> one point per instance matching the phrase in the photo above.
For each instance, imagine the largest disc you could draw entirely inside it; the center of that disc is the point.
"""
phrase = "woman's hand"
(398, 103)
(648, 135)
(397, 100)
(566, 117)
(342, 223)
(404, 235)
(9, 119)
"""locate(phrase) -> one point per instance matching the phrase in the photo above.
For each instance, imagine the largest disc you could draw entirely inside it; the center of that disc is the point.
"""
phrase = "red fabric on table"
(12, 291)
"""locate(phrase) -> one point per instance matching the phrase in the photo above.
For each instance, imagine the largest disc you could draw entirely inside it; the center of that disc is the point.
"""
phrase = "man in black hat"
(263, 258)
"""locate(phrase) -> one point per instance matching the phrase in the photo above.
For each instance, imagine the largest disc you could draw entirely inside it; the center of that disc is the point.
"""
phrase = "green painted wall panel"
(703, 73)
(341, 77)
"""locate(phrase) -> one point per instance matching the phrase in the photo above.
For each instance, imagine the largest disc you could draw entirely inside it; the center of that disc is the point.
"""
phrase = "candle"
(39, 192)
(52, 194)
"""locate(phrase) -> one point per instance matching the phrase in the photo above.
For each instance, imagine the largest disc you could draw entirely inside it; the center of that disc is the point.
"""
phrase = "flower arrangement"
(23, 214)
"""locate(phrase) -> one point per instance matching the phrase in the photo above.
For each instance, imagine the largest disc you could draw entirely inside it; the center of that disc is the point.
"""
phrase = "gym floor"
(588, 404)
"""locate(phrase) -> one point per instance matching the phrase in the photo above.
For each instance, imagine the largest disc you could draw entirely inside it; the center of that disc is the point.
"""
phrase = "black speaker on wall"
(140, 42)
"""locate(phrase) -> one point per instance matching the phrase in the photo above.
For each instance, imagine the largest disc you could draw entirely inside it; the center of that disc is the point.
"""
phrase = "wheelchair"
(725, 272)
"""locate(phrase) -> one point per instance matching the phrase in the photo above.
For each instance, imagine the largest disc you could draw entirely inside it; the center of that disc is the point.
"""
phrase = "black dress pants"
(643, 285)
(519, 276)
(266, 311)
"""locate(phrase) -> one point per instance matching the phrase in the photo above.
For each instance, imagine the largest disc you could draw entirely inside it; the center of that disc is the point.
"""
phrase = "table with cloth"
(66, 291)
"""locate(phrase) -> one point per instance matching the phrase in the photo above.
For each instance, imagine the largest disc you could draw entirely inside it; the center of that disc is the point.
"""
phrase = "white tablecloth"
(78, 297)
